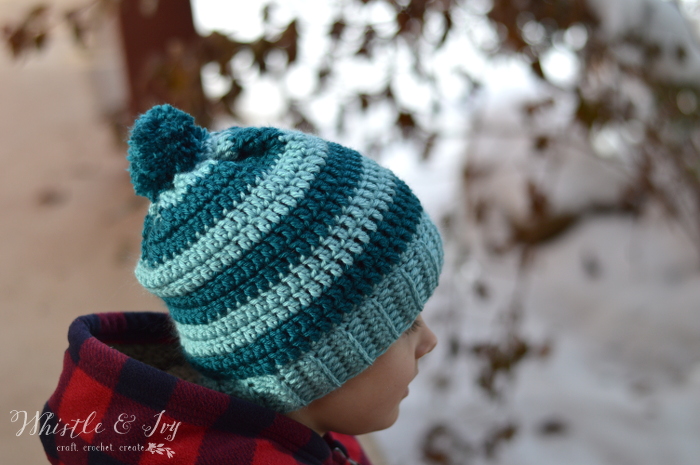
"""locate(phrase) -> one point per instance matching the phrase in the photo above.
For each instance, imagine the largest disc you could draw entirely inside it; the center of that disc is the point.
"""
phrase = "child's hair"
(288, 263)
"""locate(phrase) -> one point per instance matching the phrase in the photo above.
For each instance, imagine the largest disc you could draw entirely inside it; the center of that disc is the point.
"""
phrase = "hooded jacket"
(122, 399)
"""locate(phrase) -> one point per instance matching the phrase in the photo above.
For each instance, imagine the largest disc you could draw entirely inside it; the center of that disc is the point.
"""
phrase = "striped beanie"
(288, 263)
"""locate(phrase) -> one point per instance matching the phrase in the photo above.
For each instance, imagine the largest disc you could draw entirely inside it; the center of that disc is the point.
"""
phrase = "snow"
(657, 22)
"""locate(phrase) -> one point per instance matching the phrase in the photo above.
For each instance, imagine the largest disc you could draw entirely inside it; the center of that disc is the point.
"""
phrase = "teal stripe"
(168, 231)
(292, 338)
(246, 224)
(286, 298)
(294, 237)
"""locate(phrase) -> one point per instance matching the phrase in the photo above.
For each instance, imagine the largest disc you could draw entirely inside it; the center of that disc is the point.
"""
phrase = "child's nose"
(428, 342)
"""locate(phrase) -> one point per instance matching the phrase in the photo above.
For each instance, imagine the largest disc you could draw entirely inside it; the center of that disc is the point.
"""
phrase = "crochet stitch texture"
(288, 263)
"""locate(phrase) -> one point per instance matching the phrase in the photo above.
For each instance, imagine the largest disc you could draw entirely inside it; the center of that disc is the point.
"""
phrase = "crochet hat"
(288, 263)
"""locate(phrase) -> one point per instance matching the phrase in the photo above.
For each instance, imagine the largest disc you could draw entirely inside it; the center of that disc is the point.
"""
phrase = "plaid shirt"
(110, 408)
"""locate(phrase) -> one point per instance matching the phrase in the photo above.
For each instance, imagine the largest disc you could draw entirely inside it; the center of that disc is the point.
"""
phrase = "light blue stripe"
(244, 226)
(223, 146)
(300, 287)
(181, 183)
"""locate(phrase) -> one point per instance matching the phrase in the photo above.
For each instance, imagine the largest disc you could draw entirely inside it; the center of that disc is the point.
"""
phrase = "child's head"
(370, 401)
(289, 264)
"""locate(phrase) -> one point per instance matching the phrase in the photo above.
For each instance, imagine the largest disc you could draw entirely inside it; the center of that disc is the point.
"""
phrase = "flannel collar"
(112, 408)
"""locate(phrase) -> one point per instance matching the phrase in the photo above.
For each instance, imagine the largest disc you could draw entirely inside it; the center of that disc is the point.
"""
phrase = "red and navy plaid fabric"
(111, 409)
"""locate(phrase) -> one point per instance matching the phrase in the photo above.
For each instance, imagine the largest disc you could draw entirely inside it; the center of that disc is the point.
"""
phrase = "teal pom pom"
(164, 141)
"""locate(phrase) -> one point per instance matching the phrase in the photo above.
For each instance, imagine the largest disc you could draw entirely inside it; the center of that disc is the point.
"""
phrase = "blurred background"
(556, 144)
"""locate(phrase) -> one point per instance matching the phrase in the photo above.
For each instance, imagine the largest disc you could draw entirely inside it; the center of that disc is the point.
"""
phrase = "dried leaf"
(36, 13)
(681, 54)
(539, 230)
(40, 40)
(536, 67)
(541, 143)
(78, 29)
(388, 94)
(498, 358)
(266, 13)
(480, 210)
(482, 290)
(29, 34)
(553, 427)
(219, 48)
(497, 437)
(364, 100)
(337, 30)
(447, 27)
(442, 445)
(406, 122)
(288, 41)
(367, 42)
(472, 173)
(531, 108)
(402, 21)
(539, 203)
(428, 146)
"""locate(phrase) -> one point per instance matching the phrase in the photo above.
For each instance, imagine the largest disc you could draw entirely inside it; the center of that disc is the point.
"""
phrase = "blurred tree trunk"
(157, 37)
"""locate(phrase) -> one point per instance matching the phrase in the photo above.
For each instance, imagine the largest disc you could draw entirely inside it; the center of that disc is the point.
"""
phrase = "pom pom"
(164, 141)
